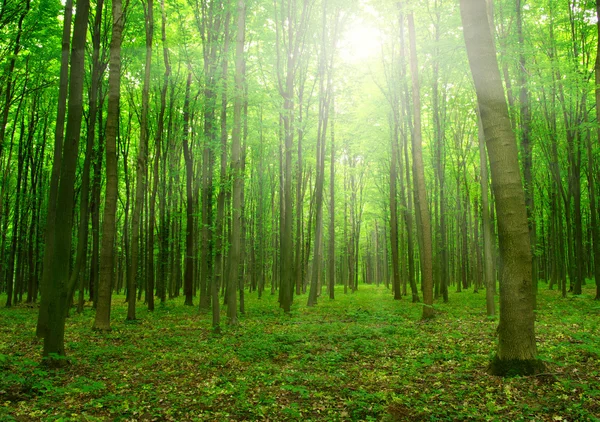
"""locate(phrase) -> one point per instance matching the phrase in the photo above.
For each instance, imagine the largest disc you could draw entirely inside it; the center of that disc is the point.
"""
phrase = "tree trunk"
(140, 175)
(594, 205)
(332, 211)
(188, 276)
(516, 352)
(419, 181)
(109, 224)
(488, 254)
(236, 169)
(42, 322)
(82, 242)
(58, 282)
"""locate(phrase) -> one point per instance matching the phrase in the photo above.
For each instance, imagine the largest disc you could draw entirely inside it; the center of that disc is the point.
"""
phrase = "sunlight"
(360, 41)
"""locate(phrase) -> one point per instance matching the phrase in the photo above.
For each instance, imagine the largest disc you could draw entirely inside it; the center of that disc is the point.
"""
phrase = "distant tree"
(141, 171)
(592, 174)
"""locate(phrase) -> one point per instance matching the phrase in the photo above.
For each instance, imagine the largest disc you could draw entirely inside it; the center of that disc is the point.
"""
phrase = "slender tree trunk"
(394, 215)
(82, 242)
(488, 257)
(419, 179)
(160, 162)
(10, 268)
(332, 211)
(235, 256)
(526, 141)
(594, 205)
(188, 276)
(325, 95)
(220, 226)
(109, 224)
(141, 170)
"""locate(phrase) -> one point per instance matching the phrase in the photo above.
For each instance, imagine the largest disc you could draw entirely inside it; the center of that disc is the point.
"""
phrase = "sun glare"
(360, 41)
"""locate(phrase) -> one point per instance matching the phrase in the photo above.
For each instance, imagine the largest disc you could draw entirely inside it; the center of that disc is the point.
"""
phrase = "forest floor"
(363, 356)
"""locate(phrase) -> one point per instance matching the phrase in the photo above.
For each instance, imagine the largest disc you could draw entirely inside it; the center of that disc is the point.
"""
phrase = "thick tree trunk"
(517, 351)
(58, 286)
(42, 322)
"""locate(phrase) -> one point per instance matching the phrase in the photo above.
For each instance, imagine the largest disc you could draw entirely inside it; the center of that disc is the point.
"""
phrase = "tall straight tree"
(223, 190)
(331, 261)
(109, 224)
(188, 272)
(591, 173)
(324, 102)
(141, 171)
(526, 140)
(236, 168)
(290, 28)
(59, 132)
(159, 159)
(419, 179)
(84, 201)
(488, 266)
(517, 350)
(58, 282)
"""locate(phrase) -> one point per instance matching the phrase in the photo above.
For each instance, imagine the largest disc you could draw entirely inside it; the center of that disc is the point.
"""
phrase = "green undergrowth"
(363, 356)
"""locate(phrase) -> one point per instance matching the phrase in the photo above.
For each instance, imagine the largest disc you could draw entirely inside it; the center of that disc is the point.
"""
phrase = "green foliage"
(361, 357)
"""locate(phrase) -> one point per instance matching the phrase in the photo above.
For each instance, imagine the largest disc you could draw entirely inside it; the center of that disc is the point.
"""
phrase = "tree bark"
(42, 322)
(419, 181)
(188, 275)
(58, 286)
(236, 169)
(517, 351)
(140, 175)
(488, 257)
(591, 169)
(109, 224)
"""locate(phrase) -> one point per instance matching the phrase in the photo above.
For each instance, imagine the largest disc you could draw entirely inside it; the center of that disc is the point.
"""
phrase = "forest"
(299, 210)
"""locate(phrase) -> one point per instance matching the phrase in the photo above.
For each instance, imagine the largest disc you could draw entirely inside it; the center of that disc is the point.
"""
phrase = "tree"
(58, 282)
(236, 168)
(109, 224)
(516, 353)
(188, 276)
(141, 170)
(42, 322)
(419, 180)
(591, 173)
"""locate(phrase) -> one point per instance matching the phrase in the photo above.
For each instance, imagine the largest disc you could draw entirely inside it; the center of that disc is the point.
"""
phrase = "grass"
(363, 356)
